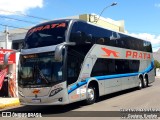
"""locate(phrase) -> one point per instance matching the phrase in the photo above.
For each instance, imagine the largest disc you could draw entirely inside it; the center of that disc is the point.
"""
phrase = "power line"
(17, 19)
(14, 27)
(24, 14)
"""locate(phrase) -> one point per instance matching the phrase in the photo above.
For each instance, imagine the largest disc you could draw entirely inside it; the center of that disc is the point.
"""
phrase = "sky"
(141, 17)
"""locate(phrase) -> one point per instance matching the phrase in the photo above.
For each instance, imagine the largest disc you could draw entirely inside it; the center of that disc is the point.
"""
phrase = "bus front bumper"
(43, 101)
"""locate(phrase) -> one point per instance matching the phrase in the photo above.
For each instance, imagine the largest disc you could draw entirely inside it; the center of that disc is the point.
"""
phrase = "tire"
(145, 82)
(91, 95)
(140, 84)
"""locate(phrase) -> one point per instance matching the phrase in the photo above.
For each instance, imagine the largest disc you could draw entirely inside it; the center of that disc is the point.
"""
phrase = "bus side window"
(101, 41)
(88, 39)
(73, 68)
(75, 36)
(78, 37)
(86, 33)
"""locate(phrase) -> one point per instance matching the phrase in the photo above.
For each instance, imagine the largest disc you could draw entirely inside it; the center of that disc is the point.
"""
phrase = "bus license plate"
(36, 100)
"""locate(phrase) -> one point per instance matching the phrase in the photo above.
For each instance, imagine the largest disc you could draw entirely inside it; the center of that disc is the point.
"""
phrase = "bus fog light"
(60, 99)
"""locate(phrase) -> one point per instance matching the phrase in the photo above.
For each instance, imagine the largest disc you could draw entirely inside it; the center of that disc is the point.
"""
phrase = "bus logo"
(110, 52)
(36, 91)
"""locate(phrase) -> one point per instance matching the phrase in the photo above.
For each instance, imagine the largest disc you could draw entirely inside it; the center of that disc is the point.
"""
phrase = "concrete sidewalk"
(8, 102)
(157, 77)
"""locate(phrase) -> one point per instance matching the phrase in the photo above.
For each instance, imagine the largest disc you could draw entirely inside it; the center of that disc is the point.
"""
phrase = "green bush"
(157, 64)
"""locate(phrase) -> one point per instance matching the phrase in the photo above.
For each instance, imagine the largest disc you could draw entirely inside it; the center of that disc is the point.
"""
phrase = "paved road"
(148, 98)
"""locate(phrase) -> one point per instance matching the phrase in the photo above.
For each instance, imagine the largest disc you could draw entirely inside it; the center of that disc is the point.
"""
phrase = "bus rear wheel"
(140, 84)
(145, 82)
(91, 95)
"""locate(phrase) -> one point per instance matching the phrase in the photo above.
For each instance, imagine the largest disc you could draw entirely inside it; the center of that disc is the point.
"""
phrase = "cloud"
(21, 6)
(157, 5)
(154, 39)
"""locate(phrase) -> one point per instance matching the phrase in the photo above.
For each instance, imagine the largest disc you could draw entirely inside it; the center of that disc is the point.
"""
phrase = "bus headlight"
(55, 91)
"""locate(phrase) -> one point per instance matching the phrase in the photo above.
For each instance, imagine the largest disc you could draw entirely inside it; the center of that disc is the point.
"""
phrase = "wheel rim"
(140, 84)
(145, 82)
(90, 93)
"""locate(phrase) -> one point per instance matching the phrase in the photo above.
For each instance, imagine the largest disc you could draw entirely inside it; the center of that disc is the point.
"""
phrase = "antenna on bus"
(113, 4)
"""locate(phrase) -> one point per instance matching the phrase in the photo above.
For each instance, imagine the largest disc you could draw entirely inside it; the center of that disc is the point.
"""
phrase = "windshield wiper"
(41, 74)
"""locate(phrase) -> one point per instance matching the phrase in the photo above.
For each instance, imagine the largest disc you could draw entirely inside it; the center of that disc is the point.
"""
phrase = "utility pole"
(6, 37)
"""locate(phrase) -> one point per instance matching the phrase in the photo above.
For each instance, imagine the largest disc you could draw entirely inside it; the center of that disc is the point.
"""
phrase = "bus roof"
(62, 20)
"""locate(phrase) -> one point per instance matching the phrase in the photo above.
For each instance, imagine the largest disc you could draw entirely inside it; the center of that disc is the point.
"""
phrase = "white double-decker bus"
(69, 60)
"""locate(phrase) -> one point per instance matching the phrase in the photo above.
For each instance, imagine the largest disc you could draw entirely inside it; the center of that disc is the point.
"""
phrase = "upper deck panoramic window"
(46, 35)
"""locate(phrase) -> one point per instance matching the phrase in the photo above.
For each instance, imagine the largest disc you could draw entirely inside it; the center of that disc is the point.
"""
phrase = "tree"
(157, 64)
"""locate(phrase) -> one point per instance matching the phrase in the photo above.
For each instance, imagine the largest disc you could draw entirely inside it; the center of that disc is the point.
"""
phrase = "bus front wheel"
(91, 95)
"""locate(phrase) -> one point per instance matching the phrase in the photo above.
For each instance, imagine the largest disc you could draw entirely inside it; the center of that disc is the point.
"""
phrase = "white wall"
(158, 72)
(3, 44)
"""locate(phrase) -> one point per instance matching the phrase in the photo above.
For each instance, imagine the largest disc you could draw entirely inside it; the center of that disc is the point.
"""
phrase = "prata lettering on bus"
(51, 26)
(137, 55)
(129, 54)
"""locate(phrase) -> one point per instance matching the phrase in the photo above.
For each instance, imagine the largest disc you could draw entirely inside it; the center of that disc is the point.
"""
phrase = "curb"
(8, 102)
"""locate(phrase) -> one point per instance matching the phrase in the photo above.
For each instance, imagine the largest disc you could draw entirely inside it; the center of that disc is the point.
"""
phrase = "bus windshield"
(39, 69)
(46, 35)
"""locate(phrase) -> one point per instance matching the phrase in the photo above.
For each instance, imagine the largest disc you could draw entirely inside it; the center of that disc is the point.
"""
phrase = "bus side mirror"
(59, 49)
(58, 52)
